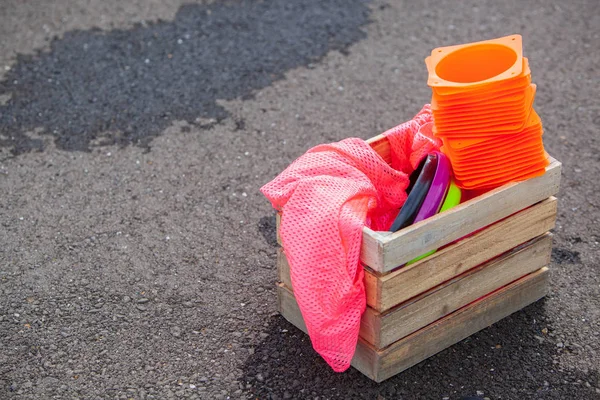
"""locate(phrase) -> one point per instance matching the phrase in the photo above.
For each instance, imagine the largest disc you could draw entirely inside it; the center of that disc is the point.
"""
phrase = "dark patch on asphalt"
(129, 85)
(575, 239)
(267, 226)
(284, 365)
(561, 256)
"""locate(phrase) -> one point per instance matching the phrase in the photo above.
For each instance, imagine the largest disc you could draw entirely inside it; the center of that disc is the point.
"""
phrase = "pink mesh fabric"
(327, 196)
(412, 140)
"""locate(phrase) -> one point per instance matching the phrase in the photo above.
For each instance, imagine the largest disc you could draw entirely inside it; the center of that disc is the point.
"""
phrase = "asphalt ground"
(137, 256)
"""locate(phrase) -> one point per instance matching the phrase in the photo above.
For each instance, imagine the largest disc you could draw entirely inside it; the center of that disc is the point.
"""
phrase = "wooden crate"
(493, 261)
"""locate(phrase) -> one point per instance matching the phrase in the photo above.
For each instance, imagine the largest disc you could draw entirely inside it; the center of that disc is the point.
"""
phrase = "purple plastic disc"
(435, 196)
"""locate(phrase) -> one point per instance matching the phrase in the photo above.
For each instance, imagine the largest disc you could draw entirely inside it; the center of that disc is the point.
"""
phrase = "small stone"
(126, 299)
(175, 331)
(539, 338)
(545, 331)
(141, 307)
(143, 300)
(188, 304)
(479, 393)
(260, 378)
(560, 345)
(49, 380)
(287, 395)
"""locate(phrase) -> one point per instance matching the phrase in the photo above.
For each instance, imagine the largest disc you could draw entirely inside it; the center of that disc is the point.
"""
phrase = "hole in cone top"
(476, 63)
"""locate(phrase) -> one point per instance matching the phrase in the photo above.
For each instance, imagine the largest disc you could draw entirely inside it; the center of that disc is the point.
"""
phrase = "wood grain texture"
(387, 252)
(277, 225)
(381, 330)
(283, 268)
(381, 145)
(386, 291)
(461, 324)
(381, 365)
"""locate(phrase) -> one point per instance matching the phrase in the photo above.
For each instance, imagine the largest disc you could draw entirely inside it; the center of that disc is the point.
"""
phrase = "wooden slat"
(381, 145)
(461, 324)
(381, 330)
(384, 253)
(277, 225)
(386, 291)
(380, 365)
(283, 269)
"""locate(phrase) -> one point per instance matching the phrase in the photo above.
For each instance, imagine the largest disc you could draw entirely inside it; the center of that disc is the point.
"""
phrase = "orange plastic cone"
(482, 103)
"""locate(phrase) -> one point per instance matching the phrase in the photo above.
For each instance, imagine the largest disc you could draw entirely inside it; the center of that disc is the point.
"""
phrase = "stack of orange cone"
(483, 111)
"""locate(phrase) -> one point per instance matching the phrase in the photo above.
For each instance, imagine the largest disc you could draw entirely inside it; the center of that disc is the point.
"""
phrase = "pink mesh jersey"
(326, 197)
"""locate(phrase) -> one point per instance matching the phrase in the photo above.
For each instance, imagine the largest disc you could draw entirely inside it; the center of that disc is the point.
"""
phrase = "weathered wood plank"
(380, 365)
(277, 225)
(386, 291)
(461, 324)
(387, 252)
(381, 330)
(283, 268)
(381, 145)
